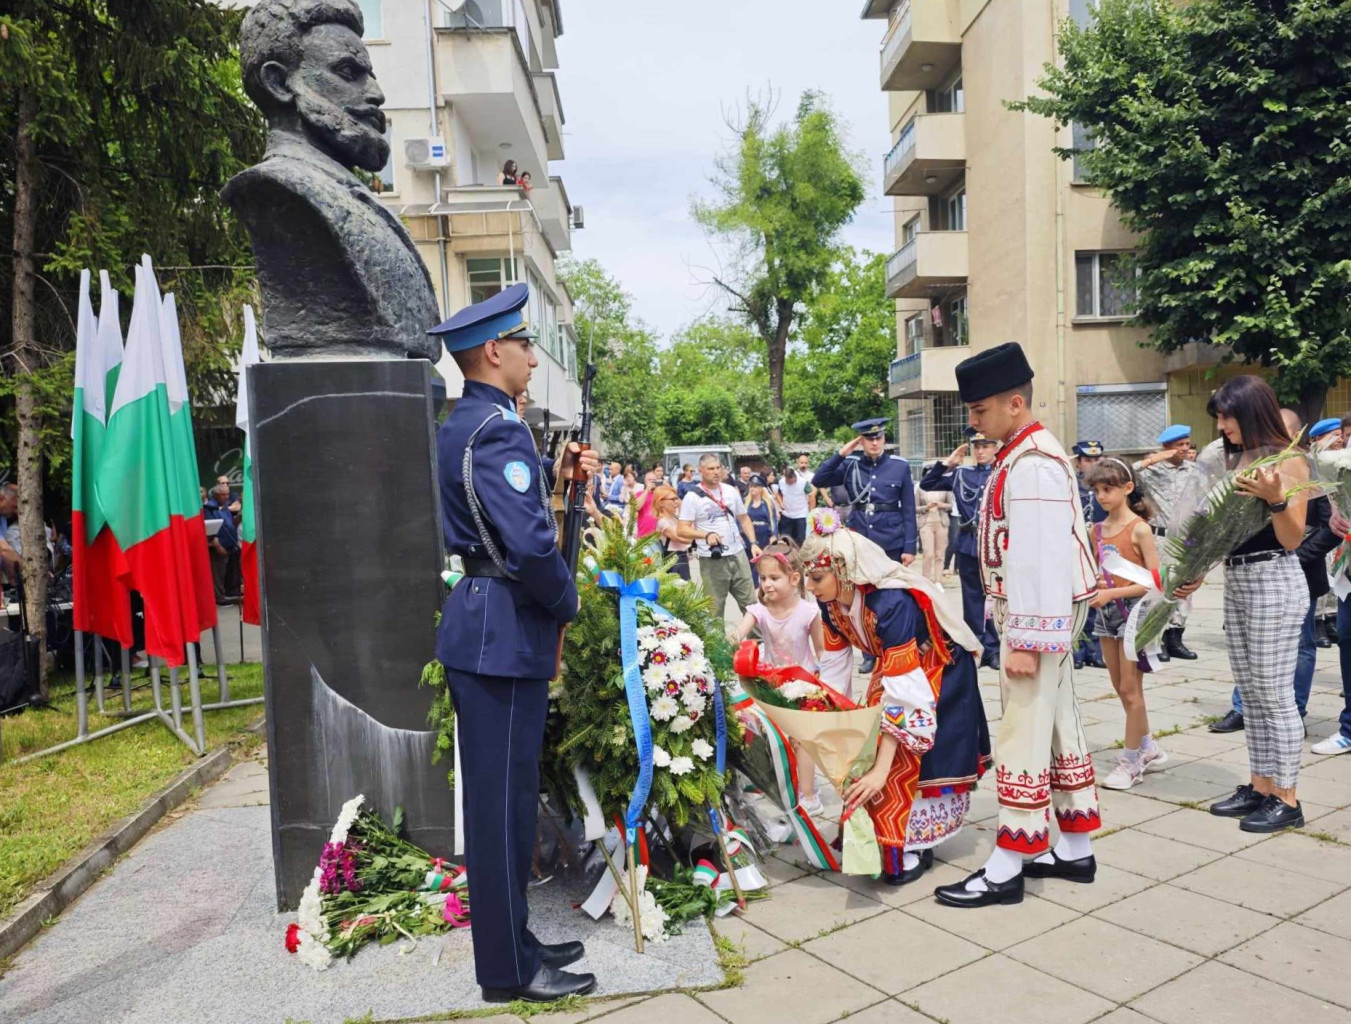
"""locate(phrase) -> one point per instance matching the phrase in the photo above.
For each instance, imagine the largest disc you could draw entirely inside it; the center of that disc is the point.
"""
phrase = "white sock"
(909, 860)
(1002, 865)
(1073, 846)
(1132, 756)
(1147, 744)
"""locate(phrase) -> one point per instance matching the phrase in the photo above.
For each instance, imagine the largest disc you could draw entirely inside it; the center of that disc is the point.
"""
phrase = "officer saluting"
(881, 496)
(499, 636)
(1086, 455)
(967, 484)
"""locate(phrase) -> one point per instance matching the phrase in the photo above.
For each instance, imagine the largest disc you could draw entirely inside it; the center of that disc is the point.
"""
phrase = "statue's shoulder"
(281, 174)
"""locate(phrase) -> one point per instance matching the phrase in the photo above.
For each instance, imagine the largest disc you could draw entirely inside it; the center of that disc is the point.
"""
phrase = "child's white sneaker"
(1337, 743)
(1154, 758)
(1126, 774)
(812, 805)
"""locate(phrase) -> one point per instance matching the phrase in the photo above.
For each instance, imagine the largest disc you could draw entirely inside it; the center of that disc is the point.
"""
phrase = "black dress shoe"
(1322, 641)
(867, 664)
(1273, 815)
(1244, 801)
(926, 861)
(548, 985)
(990, 661)
(560, 954)
(1231, 722)
(1161, 655)
(1082, 870)
(958, 895)
(1172, 643)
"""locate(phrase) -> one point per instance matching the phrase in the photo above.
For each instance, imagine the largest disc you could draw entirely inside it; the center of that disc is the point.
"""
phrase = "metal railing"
(905, 145)
(905, 369)
(897, 32)
(902, 259)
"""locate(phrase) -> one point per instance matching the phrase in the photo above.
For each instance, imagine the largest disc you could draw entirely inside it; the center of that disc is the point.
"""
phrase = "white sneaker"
(812, 805)
(1154, 758)
(1337, 743)
(1124, 775)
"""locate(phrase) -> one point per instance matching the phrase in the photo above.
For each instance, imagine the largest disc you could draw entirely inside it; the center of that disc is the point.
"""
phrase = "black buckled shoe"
(1161, 655)
(1172, 643)
(560, 954)
(1244, 801)
(547, 986)
(926, 861)
(1231, 722)
(1085, 869)
(1273, 815)
(990, 660)
(958, 895)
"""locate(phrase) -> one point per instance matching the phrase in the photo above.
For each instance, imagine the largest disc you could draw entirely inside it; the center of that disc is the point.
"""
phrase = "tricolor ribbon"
(746, 662)
(705, 874)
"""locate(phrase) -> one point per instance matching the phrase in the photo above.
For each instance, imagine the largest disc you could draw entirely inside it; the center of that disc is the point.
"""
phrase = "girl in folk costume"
(935, 743)
(790, 634)
(1125, 532)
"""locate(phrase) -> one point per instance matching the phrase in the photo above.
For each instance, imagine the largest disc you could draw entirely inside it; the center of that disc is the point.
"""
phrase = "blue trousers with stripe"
(501, 731)
(973, 603)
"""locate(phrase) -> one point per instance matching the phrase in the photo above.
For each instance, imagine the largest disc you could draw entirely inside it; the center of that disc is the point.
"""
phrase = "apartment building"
(999, 240)
(469, 85)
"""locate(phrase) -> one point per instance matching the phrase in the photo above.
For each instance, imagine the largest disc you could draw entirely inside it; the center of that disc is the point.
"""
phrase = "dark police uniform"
(498, 639)
(967, 484)
(880, 493)
(1089, 650)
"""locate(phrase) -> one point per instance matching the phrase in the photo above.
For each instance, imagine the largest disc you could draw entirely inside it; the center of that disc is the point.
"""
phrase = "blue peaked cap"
(871, 428)
(1180, 432)
(492, 319)
(1326, 426)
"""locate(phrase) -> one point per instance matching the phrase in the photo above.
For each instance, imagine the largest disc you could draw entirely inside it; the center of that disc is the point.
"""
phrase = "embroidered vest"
(1036, 441)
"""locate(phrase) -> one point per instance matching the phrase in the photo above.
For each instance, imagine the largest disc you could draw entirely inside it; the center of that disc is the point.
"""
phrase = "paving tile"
(1328, 792)
(1124, 1015)
(1336, 767)
(1333, 916)
(902, 895)
(1308, 961)
(806, 906)
(1258, 887)
(1302, 853)
(1108, 886)
(1149, 855)
(995, 927)
(1201, 828)
(791, 986)
(1336, 823)
(671, 1007)
(777, 869)
(1187, 919)
(888, 1012)
(868, 951)
(596, 1008)
(1170, 787)
(754, 943)
(1122, 964)
(1122, 810)
(1215, 993)
(1213, 770)
(1004, 990)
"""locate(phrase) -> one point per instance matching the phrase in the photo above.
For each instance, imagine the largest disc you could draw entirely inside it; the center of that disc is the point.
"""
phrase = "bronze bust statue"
(340, 274)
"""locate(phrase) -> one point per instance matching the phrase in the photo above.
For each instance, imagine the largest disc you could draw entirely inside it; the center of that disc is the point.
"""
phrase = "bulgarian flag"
(248, 530)
(138, 486)
(102, 602)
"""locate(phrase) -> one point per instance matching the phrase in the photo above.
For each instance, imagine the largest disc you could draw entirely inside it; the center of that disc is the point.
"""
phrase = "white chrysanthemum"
(664, 709)
(346, 817)
(796, 689)
(681, 724)
(691, 697)
(660, 757)
(697, 664)
(702, 749)
(309, 915)
(654, 677)
(647, 639)
(313, 953)
(672, 649)
(682, 765)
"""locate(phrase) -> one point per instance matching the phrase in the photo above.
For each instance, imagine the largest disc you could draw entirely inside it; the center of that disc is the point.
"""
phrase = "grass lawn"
(52, 807)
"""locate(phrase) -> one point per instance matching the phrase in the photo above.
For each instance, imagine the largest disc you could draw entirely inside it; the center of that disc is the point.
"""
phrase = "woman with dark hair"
(508, 175)
(1266, 600)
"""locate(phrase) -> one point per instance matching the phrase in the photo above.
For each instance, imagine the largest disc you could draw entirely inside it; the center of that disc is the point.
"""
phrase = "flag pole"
(98, 671)
(81, 698)
(195, 695)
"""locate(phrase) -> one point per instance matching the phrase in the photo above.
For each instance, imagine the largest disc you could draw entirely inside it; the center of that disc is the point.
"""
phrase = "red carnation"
(292, 938)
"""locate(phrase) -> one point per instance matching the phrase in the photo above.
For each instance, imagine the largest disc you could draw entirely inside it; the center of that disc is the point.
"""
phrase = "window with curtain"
(1104, 286)
(487, 277)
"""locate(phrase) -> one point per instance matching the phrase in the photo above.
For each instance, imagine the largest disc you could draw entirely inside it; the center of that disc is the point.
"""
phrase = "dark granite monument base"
(349, 529)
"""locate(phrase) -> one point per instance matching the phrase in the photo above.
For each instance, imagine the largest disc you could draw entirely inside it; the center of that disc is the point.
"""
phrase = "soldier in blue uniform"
(881, 497)
(1086, 455)
(499, 636)
(967, 484)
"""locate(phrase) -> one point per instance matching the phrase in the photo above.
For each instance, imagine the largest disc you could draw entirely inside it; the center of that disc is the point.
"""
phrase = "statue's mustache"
(369, 115)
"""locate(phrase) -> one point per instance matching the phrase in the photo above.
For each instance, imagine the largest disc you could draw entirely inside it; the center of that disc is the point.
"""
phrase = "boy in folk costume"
(935, 743)
(1037, 565)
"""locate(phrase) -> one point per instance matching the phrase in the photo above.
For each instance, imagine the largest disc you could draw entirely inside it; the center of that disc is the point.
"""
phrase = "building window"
(950, 99)
(373, 17)
(382, 181)
(959, 326)
(1106, 288)
(488, 277)
(1081, 140)
(914, 334)
(954, 211)
(1124, 417)
(909, 230)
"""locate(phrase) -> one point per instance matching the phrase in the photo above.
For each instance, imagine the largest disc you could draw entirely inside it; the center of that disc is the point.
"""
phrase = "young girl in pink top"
(790, 634)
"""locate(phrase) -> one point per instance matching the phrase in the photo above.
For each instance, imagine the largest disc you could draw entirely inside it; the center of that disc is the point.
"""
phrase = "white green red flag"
(248, 530)
(100, 598)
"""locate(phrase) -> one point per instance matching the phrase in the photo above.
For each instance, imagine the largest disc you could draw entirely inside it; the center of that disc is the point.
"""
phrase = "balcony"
(481, 215)
(555, 214)
(925, 372)
(921, 47)
(483, 73)
(546, 90)
(928, 157)
(932, 261)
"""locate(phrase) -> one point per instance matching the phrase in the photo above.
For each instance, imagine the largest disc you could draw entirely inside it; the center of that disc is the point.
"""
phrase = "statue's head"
(306, 67)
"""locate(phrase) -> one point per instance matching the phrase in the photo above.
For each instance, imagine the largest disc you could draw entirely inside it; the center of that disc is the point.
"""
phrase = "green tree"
(844, 342)
(121, 123)
(625, 351)
(713, 385)
(785, 194)
(1221, 132)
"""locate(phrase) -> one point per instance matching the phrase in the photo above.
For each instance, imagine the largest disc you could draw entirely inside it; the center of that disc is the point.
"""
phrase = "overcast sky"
(645, 87)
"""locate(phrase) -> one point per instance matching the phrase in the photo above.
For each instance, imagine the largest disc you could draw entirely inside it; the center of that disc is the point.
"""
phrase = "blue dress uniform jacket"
(967, 484)
(493, 626)
(1093, 512)
(884, 484)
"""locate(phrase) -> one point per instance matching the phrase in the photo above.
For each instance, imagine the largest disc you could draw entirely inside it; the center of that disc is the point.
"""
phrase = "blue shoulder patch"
(518, 475)
(510, 416)
(900, 458)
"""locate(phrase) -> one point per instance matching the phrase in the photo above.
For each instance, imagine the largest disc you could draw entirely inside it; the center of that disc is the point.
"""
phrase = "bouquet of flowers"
(371, 885)
(1333, 471)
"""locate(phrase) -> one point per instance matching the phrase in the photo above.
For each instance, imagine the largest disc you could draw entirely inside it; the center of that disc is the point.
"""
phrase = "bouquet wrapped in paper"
(1333, 470)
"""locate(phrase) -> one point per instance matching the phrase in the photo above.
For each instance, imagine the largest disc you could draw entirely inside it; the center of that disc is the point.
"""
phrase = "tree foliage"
(1221, 131)
(786, 192)
(713, 385)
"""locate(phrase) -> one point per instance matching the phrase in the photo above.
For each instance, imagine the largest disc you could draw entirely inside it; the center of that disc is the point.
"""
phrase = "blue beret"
(1326, 426)
(1180, 432)
(871, 428)
(492, 319)
(1091, 449)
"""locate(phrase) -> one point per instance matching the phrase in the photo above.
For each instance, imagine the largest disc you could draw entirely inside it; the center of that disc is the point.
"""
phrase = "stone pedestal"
(349, 529)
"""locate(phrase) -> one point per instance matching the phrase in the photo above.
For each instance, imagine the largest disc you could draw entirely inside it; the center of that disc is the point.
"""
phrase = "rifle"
(574, 509)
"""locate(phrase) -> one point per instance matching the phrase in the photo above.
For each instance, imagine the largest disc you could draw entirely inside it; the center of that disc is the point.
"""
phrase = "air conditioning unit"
(428, 152)
(578, 218)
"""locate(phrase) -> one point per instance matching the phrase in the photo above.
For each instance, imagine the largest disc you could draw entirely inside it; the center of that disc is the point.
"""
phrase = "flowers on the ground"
(651, 917)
